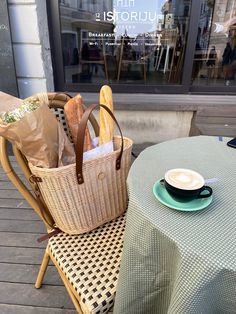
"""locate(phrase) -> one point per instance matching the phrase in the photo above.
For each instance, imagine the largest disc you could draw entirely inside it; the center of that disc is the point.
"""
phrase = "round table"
(180, 262)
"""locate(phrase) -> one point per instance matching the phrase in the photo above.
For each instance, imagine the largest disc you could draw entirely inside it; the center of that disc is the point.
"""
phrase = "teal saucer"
(163, 196)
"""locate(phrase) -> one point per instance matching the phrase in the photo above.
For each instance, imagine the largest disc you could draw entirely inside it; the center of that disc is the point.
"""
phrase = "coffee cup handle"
(162, 182)
(205, 188)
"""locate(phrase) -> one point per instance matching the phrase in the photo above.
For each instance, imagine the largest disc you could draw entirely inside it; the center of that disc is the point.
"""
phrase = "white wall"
(28, 20)
(154, 126)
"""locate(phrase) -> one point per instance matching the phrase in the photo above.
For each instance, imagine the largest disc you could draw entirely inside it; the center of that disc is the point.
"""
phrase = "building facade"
(141, 49)
(159, 46)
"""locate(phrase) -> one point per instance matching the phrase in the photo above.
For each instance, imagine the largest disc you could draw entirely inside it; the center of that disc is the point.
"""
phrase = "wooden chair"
(96, 60)
(88, 264)
(142, 61)
(168, 43)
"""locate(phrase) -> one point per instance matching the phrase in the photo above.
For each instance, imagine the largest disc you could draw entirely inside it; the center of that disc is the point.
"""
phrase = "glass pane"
(124, 41)
(215, 54)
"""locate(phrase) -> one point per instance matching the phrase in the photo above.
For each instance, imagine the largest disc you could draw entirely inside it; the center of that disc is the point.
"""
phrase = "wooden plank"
(5, 181)
(12, 194)
(14, 165)
(19, 214)
(13, 203)
(16, 255)
(22, 226)
(12, 158)
(26, 294)
(6, 185)
(213, 129)
(19, 309)
(17, 170)
(4, 177)
(20, 273)
(21, 240)
(212, 121)
(217, 112)
(216, 120)
(213, 126)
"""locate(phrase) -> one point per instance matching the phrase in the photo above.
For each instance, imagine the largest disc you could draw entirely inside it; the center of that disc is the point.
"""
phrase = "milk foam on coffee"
(184, 179)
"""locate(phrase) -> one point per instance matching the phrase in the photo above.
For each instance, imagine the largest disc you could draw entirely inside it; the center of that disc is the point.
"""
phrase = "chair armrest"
(36, 203)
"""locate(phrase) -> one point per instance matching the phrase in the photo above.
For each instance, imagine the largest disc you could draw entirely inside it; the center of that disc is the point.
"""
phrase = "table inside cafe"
(179, 262)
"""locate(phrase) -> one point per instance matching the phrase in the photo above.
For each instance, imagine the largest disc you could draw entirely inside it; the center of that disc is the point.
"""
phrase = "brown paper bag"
(8, 102)
(66, 151)
(41, 138)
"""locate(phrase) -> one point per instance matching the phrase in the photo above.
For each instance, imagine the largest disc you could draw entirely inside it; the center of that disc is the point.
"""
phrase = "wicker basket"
(80, 205)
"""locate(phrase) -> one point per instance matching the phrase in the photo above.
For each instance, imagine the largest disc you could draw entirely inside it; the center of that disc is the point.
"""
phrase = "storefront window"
(215, 54)
(124, 41)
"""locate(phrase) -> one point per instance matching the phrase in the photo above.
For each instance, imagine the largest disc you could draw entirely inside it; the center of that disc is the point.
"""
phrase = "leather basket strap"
(80, 141)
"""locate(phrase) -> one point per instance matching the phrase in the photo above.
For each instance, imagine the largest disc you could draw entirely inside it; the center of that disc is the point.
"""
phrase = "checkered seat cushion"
(60, 115)
(91, 263)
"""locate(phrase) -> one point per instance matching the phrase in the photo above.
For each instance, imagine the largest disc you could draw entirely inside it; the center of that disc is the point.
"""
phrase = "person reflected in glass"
(94, 55)
(85, 67)
(127, 49)
(226, 60)
(198, 61)
(231, 69)
(85, 52)
(211, 62)
(75, 60)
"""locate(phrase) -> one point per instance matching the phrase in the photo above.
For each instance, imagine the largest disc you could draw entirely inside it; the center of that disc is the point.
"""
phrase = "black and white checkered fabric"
(91, 263)
(59, 113)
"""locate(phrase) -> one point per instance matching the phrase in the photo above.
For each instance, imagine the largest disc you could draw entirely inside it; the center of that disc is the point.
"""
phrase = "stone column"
(30, 37)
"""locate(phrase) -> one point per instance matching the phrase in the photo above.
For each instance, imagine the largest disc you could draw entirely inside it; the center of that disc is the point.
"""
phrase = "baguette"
(74, 111)
(106, 122)
(87, 137)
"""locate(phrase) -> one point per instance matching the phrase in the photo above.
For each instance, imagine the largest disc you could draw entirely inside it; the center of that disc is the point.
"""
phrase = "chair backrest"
(56, 104)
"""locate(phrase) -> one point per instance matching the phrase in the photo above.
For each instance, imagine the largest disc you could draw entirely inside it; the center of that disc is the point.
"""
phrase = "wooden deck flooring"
(21, 256)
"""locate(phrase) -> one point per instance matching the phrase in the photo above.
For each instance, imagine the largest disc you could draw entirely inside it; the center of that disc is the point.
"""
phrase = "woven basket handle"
(81, 136)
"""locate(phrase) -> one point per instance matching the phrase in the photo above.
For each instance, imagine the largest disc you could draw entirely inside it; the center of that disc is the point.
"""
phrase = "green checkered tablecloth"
(180, 262)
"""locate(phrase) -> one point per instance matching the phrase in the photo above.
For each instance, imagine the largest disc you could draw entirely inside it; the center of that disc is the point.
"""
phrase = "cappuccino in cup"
(185, 184)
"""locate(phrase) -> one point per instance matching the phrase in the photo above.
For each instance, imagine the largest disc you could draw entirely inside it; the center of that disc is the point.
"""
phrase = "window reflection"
(124, 41)
(215, 54)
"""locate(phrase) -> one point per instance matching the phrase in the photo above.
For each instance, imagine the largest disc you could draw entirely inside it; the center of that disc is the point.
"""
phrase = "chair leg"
(70, 292)
(42, 270)
(68, 288)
